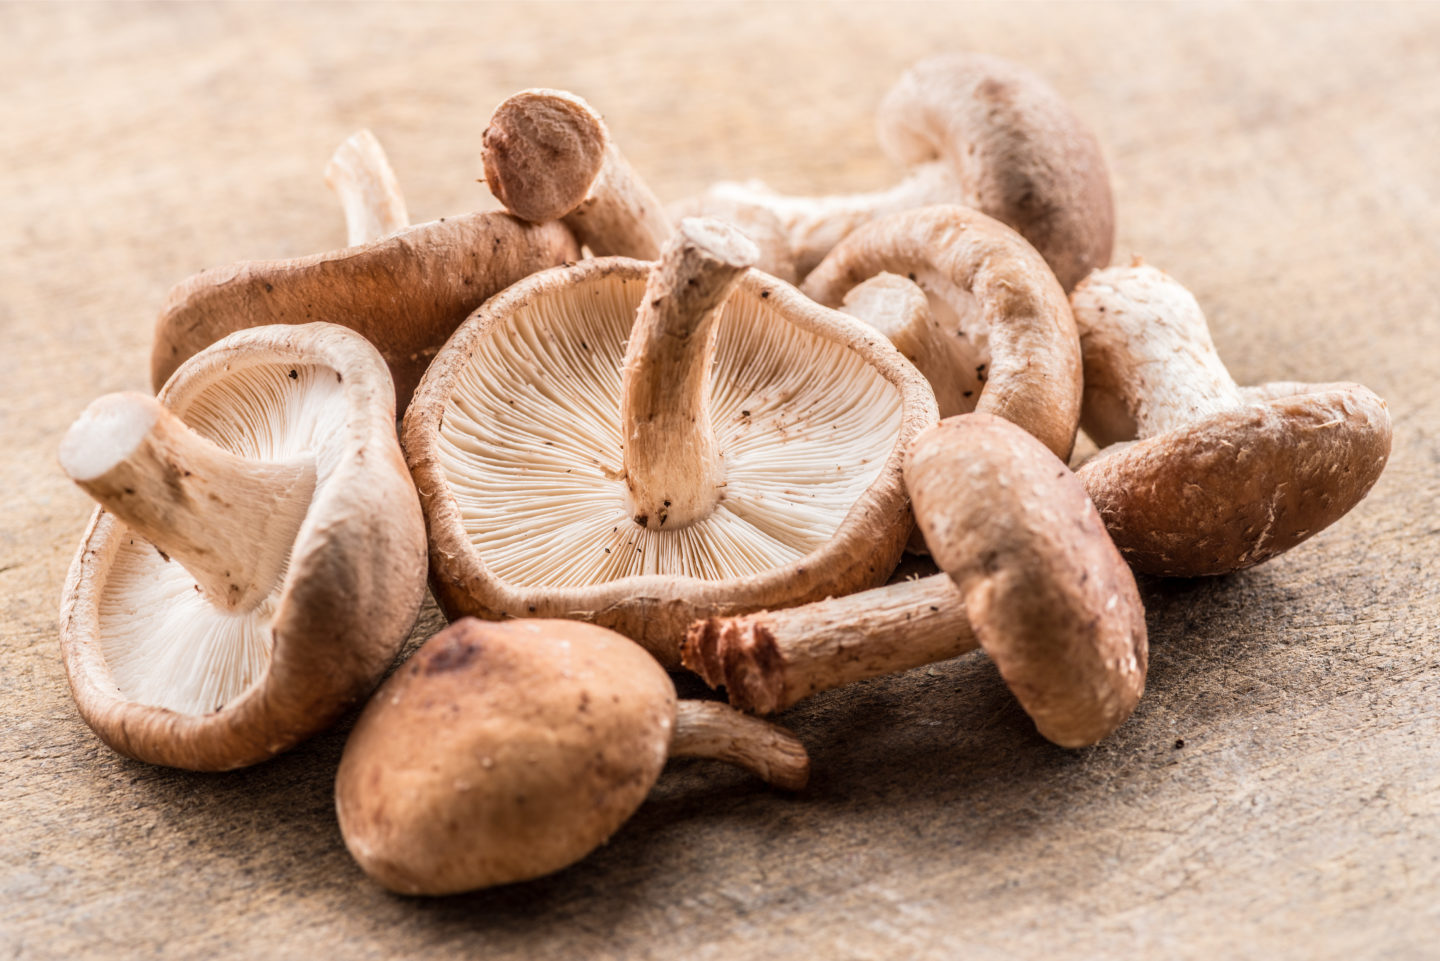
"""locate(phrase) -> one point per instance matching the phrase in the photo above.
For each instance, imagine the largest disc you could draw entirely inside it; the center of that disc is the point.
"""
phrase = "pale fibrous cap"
(258, 556)
(638, 446)
(1197, 475)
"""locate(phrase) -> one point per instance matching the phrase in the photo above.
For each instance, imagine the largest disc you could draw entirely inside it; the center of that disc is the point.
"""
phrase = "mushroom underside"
(164, 644)
(530, 442)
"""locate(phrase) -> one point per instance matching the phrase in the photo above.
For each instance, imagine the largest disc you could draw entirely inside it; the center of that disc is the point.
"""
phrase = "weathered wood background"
(1278, 791)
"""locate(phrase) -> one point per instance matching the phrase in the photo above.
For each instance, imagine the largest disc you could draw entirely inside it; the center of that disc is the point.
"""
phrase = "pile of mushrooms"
(666, 453)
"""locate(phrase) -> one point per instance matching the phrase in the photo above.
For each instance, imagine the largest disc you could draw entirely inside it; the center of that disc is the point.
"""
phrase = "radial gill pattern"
(166, 645)
(531, 443)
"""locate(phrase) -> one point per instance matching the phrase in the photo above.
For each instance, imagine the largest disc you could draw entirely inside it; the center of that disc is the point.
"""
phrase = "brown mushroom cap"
(162, 674)
(503, 752)
(515, 442)
(1021, 154)
(1031, 576)
(989, 286)
(975, 130)
(405, 292)
(1047, 594)
(1221, 477)
(1241, 486)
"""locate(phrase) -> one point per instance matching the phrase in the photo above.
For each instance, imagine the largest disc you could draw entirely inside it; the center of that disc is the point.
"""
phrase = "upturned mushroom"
(1029, 575)
(973, 130)
(548, 156)
(259, 554)
(1218, 477)
(999, 337)
(404, 288)
(503, 752)
(640, 445)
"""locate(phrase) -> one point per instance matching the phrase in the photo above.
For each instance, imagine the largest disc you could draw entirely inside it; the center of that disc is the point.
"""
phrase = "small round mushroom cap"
(975, 130)
(1046, 593)
(405, 292)
(227, 674)
(989, 291)
(503, 752)
(1220, 477)
(517, 443)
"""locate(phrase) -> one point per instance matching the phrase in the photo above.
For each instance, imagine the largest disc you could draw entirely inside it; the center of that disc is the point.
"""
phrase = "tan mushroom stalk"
(259, 554)
(361, 176)
(548, 156)
(1029, 575)
(404, 288)
(503, 752)
(1000, 338)
(974, 130)
(1219, 477)
(562, 450)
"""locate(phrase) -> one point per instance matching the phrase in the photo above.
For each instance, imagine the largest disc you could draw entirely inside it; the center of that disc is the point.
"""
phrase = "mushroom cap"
(1018, 151)
(1047, 594)
(1240, 486)
(983, 278)
(514, 440)
(502, 752)
(163, 676)
(406, 292)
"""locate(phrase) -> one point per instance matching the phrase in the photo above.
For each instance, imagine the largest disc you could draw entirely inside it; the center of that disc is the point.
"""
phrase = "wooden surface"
(1277, 794)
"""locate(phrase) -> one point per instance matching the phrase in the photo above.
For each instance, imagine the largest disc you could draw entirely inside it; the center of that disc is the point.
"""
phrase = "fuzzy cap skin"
(405, 292)
(502, 752)
(1241, 486)
(994, 284)
(1046, 593)
(655, 609)
(353, 587)
(1021, 154)
(1221, 477)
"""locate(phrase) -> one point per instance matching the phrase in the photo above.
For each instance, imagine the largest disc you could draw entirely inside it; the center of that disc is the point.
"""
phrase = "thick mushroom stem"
(899, 309)
(1150, 365)
(229, 520)
(770, 660)
(673, 467)
(710, 729)
(549, 156)
(361, 177)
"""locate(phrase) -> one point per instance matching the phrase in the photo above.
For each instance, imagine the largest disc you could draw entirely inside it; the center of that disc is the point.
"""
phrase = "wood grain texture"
(1277, 793)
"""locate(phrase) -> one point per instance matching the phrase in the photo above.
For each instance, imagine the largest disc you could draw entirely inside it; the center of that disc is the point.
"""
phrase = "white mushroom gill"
(531, 443)
(165, 644)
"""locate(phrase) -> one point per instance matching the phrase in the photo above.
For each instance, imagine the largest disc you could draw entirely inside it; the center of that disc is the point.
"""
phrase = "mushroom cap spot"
(1048, 595)
(502, 752)
(1240, 486)
(543, 149)
(531, 445)
(349, 595)
(1019, 152)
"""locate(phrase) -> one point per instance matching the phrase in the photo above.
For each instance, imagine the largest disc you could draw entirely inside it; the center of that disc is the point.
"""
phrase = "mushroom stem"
(710, 729)
(361, 177)
(899, 309)
(1150, 364)
(229, 520)
(770, 660)
(548, 156)
(672, 466)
